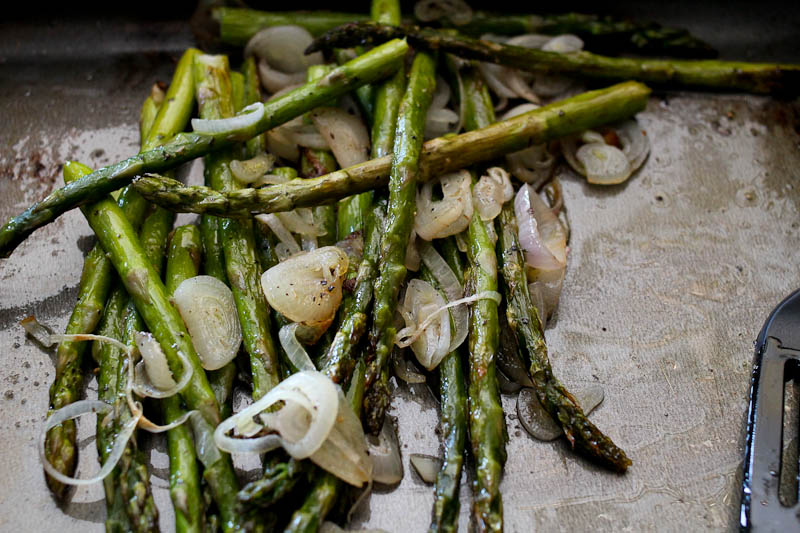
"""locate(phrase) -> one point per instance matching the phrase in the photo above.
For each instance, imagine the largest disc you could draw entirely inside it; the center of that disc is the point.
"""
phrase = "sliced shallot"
(541, 235)
(294, 350)
(453, 290)
(431, 343)
(346, 134)
(251, 170)
(74, 410)
(243, 120)
(307, 287)
(538, 422)
(208, 309)
(384, 452)
(436, 219)
(427, 466)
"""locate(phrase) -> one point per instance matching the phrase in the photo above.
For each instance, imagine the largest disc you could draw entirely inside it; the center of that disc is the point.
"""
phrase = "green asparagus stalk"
(400, 216)
(108, 358)
(438, 156)
(387, 102)
(602, 33)
(525, 321)
(131, 477)
(127, 488)
(238, 25)
(252, 94)
(183, 262)
(486, 420)
(453, 400)
(762, 78)
(157, 122)
(375, 64)
(338, 361)
(241, 264)
(143, 283)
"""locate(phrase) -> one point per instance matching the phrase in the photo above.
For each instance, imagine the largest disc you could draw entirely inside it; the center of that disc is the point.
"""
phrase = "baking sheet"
(669, 279)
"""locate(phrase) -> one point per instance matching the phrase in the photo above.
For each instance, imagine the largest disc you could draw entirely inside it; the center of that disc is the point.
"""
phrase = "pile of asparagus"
(139, 260)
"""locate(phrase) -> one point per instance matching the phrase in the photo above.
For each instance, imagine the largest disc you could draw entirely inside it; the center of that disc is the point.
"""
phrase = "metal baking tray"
(669, 278)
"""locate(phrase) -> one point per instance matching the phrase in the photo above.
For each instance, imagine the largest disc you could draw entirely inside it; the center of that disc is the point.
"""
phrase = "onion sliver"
(294, 350)
(405, 368)
(246, 118)
(311, 391)
(451, 214)
(563, 44)
(426, 331)
(427, 466)
(346, 135)
(604, 164)
(142, 385)
(384, 452)
(296, 223)
(208, 309)
(155, 361)
(283, 47)
(344, 453)
(489, 193)
(635, 144)
(452, 289)
(280, 231)
(307, 287)
(75, 410)
(251, 170)
(538, 422)
(541, 235)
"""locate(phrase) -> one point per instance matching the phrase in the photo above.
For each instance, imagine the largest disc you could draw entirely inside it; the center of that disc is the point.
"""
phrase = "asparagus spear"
(453, 398)
(108, 358)
(212, 80)
(487, 426)
(142, 282)
(375, 64)
(525, 321)
(762, 78)
(338, 361)
(157, 122)
(128, 497)
(438, 156)
(238, 25)
(601, 33)
(387, 102)
(400, 217)
(183, 262)
(130, 479)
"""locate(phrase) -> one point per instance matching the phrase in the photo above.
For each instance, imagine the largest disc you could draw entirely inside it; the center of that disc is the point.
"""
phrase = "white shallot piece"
(436, 219)
(600, 161)
(314, 421)
(492, 190)
(421, 301)
(208, 309)
(452, 289)
(541, 235)
(545, 291)
(384, 452)
(252, 170)
(440, 119)
(457, 11)
(247, 117)
(346, 134)
(281, 54)
(534, 164)
(307, 287)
